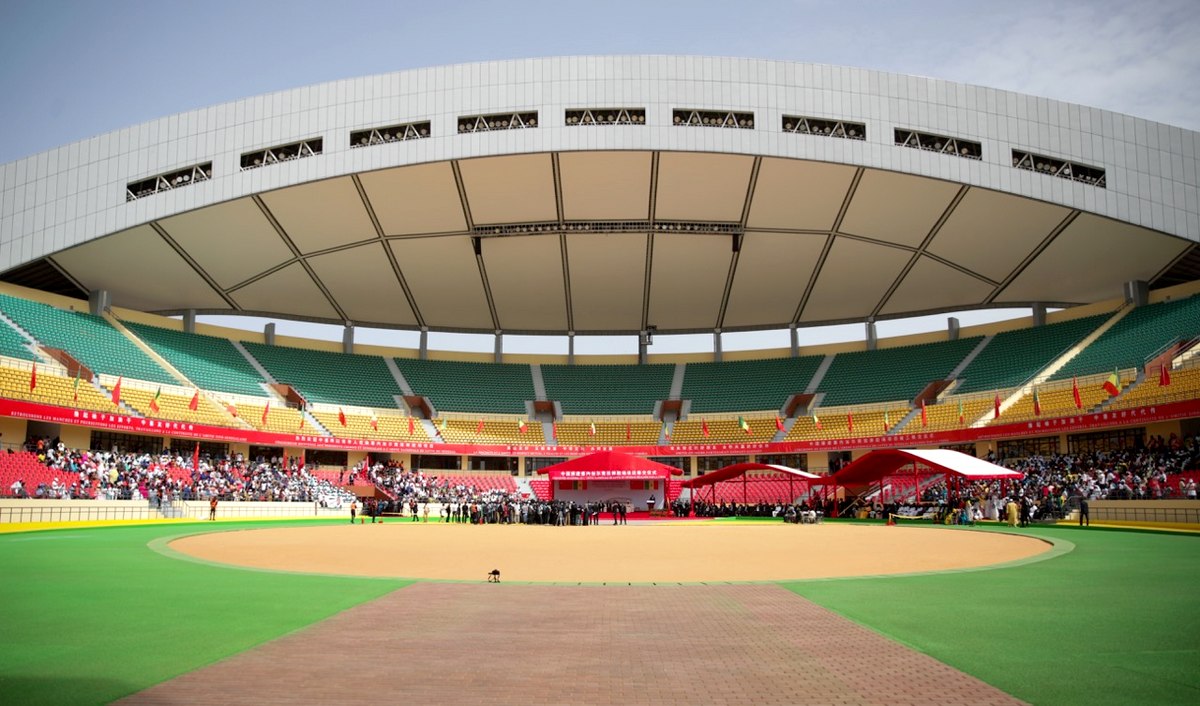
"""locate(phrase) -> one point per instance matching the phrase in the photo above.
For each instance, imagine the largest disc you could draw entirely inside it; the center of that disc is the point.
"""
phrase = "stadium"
(627, 197)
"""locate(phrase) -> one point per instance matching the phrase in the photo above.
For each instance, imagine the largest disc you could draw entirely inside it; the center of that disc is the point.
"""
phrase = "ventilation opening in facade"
(170, 180)
(689, 117)
(1060, 168)
(606, 116)
(939, 143)
(498, 121)
(282, 153)
(824, 127)
(391, 133)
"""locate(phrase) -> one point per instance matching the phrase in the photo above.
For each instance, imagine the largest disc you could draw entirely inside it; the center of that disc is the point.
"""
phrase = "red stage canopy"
(888, 462)
(610, 465)
(739, 469)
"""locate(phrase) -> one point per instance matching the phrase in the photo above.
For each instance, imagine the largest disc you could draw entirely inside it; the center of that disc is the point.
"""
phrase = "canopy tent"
(793, 477)
(914, 464)
(610, 466)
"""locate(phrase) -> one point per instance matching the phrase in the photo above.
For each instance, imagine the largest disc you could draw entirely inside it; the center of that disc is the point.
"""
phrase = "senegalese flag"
(1113, 384)
(667, 431)
(816, 421)
(154, 402)
(962, 418)
(521, 426)
(1037, 403)
(442, 425)
(887, 422)
(743, 424)
(75, 386)
(301, 412)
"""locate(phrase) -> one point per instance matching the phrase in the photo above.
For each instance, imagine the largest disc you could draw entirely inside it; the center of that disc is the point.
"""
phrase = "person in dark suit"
(1084, 520)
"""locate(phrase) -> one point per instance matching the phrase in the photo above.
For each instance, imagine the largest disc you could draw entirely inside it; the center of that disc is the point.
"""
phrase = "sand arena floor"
(655, 553)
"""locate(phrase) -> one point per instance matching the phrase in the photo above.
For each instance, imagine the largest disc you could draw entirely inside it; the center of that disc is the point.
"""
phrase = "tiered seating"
(495, 431)
(210, 362)
(722, 431)
(746, 385)
(769, 489)
(1012, 357)
(1057, 400)
(609, 433)
(24, 466)
(607, 389)
(91, 339)
(280, 419)
(891, 373)
(1130, 341)
(358, 426)
(53, 389)
(498, 388)
(12, 344)
(835, 424)
(480, 481)
(331, 378)
(1185, 385)
(944, 415)
(540, 488)
(173, 406)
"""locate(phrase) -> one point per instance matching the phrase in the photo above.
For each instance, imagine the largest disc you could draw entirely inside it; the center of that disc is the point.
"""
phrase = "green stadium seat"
(608, 389)
(500, 388)
(746, 385)
(210, 362)
(1012, 357)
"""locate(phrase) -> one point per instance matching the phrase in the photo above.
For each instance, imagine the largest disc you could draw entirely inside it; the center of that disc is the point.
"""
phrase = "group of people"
(168, 475)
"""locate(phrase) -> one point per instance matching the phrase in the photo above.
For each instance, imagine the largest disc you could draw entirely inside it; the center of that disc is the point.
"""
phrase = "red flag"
(231, 409)
(196, 457)
(1164, 375)
(374, 422)
(411, 426)
(554, 429)
(195, 400)
(341, 416)
(778, 424)
(116, 396)
(266, 411)
(704, 428)
(1037, 404)
(924, 418)
(479, 427)
(33, 378)
(1075, 393)
(850, 421)
(521, 426)
(628, 431)
(996, 405)
(961, 416)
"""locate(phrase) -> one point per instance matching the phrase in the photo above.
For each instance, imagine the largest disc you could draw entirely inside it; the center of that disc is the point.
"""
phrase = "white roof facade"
(412, 233)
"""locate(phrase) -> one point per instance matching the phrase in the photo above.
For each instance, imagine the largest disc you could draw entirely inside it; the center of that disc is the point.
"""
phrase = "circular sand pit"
(662, 553)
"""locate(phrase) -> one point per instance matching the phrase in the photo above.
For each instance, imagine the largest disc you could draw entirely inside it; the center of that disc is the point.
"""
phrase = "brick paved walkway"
(510, 644)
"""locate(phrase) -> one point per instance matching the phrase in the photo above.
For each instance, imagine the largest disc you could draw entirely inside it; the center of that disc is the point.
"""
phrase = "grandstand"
(13, 344)
(1141, 333)
(1013, 357)
(54, 389)
(495, 388)
(210, 362)
(90, 339)
(747, 384)
(899, 373)
(608, 389)
(362, 380)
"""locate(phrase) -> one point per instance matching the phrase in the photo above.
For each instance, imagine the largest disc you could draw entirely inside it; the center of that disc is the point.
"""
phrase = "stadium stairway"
(788, 422)
(962, 365)
(401, 381)
(266, 375)
(819, 374)
(901, 425)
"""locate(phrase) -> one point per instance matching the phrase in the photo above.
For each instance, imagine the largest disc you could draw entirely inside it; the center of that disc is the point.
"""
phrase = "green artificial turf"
(1116, 621)
(93, 615)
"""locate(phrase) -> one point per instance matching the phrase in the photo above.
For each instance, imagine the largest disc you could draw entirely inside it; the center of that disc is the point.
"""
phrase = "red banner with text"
(184, 430)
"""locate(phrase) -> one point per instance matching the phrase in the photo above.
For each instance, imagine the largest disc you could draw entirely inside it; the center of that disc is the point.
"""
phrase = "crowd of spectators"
(168, 475)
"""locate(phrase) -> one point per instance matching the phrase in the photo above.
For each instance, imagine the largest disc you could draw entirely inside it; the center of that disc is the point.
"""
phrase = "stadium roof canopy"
(610, 195)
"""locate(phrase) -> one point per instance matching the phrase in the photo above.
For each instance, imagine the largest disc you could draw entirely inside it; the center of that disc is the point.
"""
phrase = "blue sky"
(73, 69)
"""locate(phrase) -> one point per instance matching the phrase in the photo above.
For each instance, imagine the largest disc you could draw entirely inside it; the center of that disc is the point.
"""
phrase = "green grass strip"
(1115, 621)
(93, 615)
